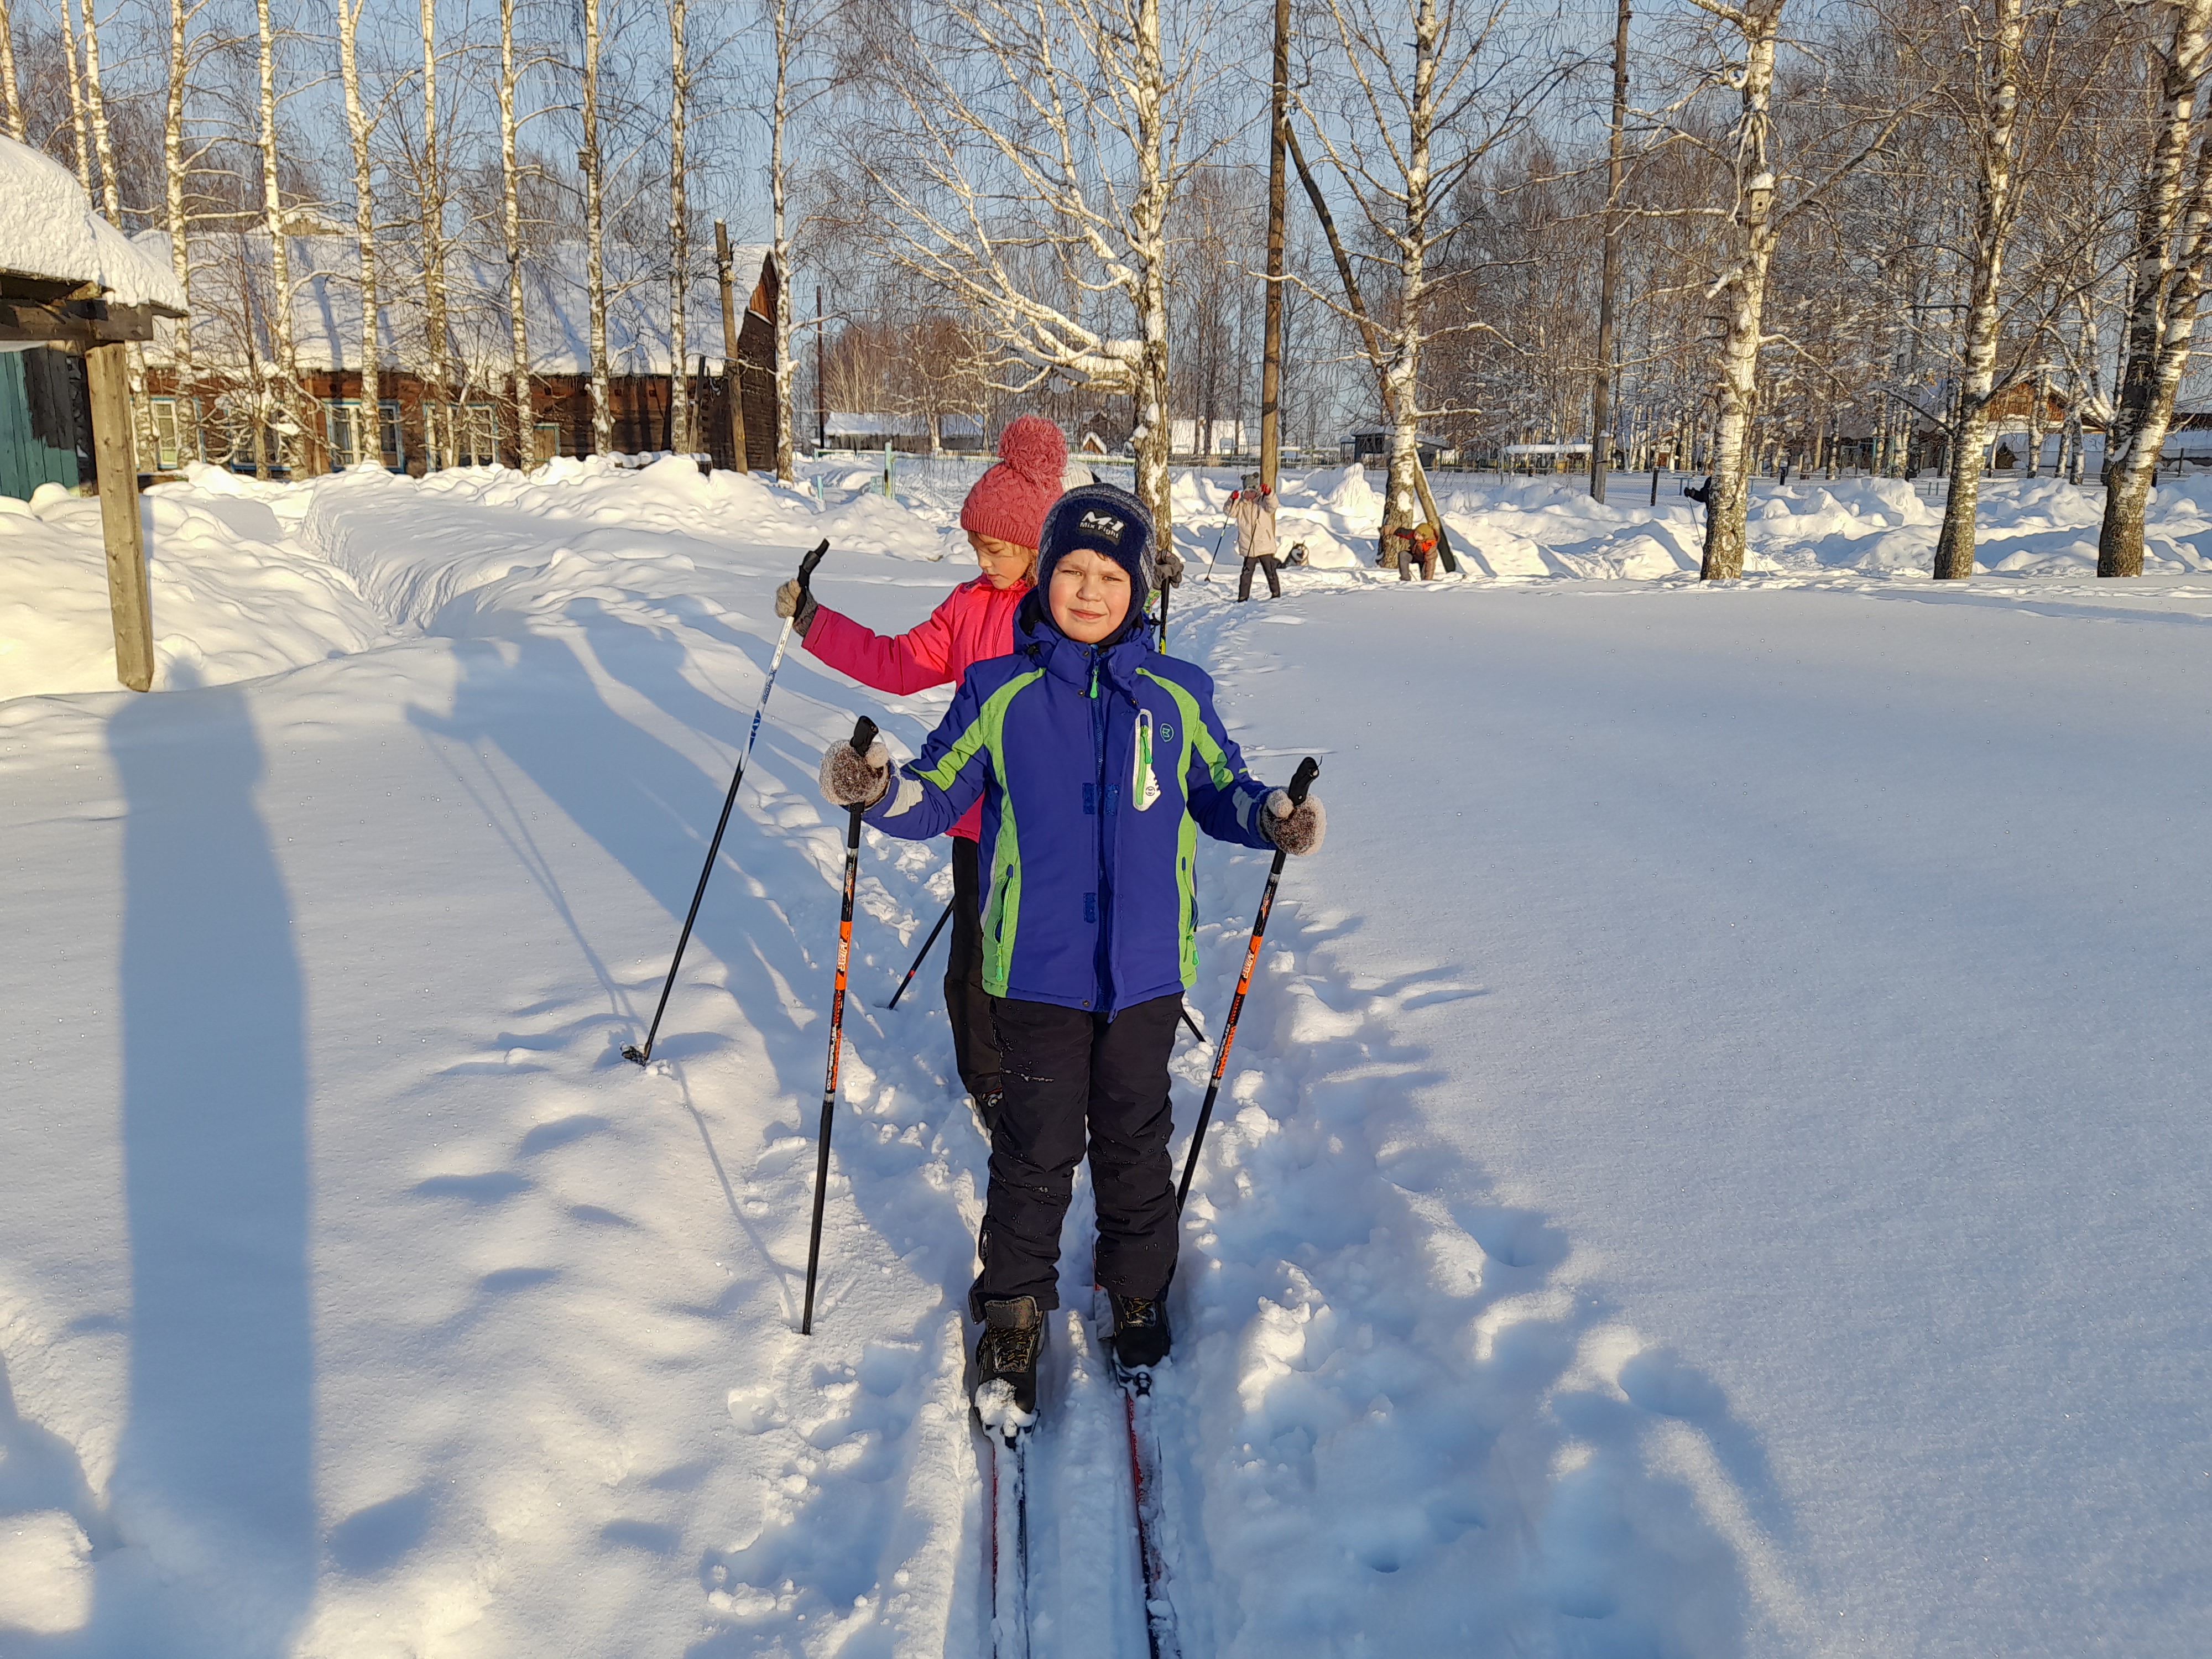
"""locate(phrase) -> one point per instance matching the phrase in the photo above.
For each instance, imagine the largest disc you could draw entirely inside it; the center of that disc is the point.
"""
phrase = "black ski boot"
(1142, 1336)
(1012, 1340)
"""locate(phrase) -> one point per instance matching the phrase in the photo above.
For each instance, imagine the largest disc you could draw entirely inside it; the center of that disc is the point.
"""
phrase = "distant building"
(214, 418)
(1370, 445)
(909, 434)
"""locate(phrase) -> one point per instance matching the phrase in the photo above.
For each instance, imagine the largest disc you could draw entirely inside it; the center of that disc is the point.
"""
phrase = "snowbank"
(48, 228)
(232, 596)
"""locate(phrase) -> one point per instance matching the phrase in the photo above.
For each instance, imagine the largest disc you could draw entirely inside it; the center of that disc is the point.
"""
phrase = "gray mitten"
(795, 599)
(1167, 567)
(848, 780)
(1296, 829)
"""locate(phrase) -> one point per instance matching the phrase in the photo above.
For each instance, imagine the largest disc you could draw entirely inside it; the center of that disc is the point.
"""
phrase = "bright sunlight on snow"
(1711, 1163)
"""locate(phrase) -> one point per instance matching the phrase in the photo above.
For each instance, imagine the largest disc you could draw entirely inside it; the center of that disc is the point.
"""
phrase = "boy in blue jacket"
(1097, 760)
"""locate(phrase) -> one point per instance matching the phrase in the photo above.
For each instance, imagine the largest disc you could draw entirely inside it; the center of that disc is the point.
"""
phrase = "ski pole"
(1193, 1024)
(633, 1051)
(1215, 553)
(864, 734)
(1163, 615)
(921, 955)
(1301, 781)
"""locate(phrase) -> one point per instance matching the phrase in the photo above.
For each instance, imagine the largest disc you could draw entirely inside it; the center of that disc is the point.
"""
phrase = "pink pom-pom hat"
(1008, 502)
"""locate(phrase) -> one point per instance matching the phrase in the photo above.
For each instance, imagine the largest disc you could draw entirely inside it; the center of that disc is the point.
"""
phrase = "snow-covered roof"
(48, 229)
(326, 307)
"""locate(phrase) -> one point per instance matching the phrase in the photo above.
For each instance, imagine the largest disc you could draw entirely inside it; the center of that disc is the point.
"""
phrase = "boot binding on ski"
(1006, 1354)
(1141, 1337)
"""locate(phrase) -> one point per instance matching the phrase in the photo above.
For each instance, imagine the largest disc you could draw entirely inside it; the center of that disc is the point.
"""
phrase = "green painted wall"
(28, 459)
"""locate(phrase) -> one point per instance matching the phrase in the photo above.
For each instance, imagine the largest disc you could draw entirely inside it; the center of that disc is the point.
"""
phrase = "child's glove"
(1167, 567)
(795, 599)
(848, 780)
(1296, 829)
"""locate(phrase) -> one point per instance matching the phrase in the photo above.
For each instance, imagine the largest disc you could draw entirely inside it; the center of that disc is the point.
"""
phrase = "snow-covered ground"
(1714, 1160)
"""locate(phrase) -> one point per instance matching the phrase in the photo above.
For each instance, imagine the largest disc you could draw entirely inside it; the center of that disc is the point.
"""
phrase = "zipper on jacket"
(1102, 959)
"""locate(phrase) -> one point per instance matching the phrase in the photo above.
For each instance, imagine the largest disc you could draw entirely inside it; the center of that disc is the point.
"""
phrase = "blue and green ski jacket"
(1098, 767)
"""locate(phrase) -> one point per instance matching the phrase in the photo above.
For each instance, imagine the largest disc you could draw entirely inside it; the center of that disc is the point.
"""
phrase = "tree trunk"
(1737, 388)
(2164, 286)
(438, 414)
(1271, 352)
(786, 468)
(290, 427)
(174, 179)
(679, 236)
(1148, 241)
(95, 109)
(1993, 215)
(518, 320)
(75, 78)
(732, 378)
(369, 429)
(1608, 281)
(11, 91)
(595, 267)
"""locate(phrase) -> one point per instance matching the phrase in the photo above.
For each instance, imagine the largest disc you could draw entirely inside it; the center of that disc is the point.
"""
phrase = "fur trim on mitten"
(796, 602)
(1296, 829)
(1167, 567)
(848, 780)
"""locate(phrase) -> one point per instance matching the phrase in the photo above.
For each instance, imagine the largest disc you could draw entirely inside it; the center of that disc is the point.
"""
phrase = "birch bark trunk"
(1993, 216)
(2164, 286)
(679, 238)
(1401, 508)
(282, 400)
(1736, 386)
(438, 421)
(175, 180)
(74, 76)
(369, 426)
(1155, 435)
(1609, 278)
(11, 91)
(95, 109)
(595, 264)
(780, 241)
(510, 179)
(1271, 354)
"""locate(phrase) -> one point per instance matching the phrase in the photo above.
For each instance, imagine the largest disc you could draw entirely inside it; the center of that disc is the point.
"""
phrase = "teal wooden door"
(28, 457)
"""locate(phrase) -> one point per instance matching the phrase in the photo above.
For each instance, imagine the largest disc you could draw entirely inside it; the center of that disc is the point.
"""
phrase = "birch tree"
(11, 91)
(2172, 240)
(95, 110)
(595, 267)
(361, 129)
(438, 434)
(78, 127)
(1402, 122)
(176, 173)
(510, 222)
(284, 371)
(680, 230)
(1031, 185)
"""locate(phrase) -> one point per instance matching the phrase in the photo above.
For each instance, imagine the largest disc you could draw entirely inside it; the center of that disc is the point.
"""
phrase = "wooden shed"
(73, 285)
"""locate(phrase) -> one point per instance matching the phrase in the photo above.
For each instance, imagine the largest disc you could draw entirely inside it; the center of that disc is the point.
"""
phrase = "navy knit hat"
(1105, 519)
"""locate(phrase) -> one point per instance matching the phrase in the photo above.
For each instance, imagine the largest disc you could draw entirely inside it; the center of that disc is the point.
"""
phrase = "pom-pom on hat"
(1107, 520)
(1009, 501)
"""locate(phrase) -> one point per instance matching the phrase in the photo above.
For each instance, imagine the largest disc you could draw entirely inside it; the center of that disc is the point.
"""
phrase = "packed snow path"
(1713, 1162)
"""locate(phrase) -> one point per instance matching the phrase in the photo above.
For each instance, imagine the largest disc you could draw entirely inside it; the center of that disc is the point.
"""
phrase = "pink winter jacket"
(974, 623)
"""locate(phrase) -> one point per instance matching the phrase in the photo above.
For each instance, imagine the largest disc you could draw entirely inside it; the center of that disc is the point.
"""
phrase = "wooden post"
(107, 372)
(732, 380)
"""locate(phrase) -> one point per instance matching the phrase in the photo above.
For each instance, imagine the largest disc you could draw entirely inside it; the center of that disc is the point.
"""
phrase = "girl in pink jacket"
(1002, 515)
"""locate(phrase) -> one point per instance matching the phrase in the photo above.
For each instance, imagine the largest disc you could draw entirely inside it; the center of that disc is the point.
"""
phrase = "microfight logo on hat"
(1105, 522)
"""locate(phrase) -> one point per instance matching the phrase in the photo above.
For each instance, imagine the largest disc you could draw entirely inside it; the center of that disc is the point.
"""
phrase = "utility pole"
(1602, 383)
(732, 380)
(821, 396)
(1270, 360)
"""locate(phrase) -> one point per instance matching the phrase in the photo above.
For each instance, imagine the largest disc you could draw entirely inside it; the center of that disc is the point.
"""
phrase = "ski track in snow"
(513, 1367)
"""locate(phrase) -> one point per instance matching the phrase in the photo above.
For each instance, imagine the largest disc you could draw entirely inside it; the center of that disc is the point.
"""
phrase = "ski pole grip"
(1301, 779)
(806, 565)
(864, 734)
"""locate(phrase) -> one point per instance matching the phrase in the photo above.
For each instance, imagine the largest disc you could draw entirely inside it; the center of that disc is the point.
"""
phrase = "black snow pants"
(1275, 582)
(1075, 1079)
(974, 1044)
